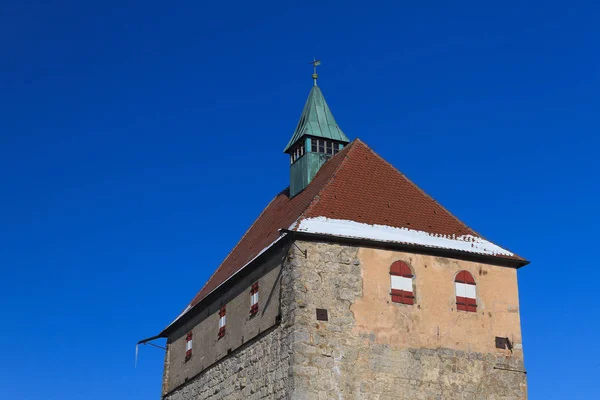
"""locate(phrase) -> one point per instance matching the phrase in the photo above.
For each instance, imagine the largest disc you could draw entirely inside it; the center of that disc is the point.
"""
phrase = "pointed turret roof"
(358, 195)
(316, 120)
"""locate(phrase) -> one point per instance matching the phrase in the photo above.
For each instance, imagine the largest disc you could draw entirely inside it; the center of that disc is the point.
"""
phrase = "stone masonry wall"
(259, 370)
(338, 360)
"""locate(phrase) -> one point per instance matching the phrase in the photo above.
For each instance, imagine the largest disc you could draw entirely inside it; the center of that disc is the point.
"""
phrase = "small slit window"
(188, 347)
(466, 292)
(222, 322)
(296, 153)
(254, 299)
(402, 283)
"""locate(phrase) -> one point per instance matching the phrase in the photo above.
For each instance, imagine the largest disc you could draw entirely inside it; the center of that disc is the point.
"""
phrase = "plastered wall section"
(241, 327)
(371, 348)
(433, 321)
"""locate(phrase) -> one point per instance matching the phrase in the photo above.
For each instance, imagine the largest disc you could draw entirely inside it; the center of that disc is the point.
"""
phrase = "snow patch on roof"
(352, 229)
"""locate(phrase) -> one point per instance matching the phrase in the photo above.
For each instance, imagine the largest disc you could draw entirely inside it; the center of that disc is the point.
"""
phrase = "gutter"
(147, 341)
(144, 341)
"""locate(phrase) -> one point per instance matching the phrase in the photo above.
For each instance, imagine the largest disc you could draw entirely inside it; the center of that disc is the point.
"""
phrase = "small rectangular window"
(322, 314)
(329, 147)
(222, 322)
(500, 342)
(313, 145)
(254, 299)
(188, 347)
(336, 148)
(321, 146)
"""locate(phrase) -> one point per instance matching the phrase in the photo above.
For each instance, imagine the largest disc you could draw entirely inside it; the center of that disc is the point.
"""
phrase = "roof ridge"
(345, 152)
(430, 197)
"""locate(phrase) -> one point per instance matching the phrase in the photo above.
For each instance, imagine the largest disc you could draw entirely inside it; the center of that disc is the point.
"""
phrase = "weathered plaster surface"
(370, 349)
(434, 321)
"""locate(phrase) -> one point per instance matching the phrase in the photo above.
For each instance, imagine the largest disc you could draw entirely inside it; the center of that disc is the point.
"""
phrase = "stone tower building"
(351, 284)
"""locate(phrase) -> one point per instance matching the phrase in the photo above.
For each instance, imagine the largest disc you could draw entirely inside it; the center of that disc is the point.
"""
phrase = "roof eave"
(193, 310)
(512, 262)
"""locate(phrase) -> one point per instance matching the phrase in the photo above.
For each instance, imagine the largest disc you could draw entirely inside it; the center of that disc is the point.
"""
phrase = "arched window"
(466, 292)
(402, 283)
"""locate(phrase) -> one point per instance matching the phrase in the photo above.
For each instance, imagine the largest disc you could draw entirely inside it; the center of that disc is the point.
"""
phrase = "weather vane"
(315, 63)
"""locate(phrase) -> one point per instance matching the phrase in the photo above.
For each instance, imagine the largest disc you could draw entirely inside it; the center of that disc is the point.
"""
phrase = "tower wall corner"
(372, 348)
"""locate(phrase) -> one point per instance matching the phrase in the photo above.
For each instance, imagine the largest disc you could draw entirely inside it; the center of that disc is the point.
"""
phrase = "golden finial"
(315, 63)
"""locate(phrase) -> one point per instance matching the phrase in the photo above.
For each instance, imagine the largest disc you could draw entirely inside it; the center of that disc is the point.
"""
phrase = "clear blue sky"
(139, 140)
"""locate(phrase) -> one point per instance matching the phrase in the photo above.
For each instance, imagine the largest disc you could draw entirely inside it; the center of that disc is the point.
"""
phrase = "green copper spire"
(316, 120)
(317, 137)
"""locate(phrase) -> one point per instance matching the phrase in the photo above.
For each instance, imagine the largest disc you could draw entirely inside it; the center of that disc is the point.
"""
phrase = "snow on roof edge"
(353, 229)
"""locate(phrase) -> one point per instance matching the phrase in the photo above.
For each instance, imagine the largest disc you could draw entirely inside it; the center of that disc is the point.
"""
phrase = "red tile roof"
(356, 185)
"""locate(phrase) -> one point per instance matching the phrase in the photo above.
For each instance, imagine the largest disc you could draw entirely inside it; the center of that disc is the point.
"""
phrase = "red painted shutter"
(403, 296)
(253, 306)
(465, 277)
(222, 313)
(465, 303)
(188, 351)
